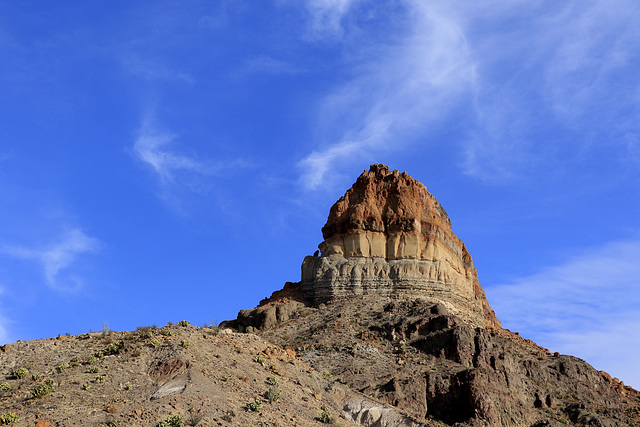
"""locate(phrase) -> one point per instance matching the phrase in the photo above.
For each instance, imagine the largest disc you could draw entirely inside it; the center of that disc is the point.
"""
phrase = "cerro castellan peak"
(388, 236)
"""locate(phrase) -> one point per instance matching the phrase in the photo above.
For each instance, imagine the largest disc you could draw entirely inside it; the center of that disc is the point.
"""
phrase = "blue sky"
(163, 161)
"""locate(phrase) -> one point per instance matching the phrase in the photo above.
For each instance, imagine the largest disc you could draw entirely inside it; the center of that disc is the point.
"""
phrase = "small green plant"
(100, 379)
(341, 380)
(5, 387)
(127, 386)
(166, 332)
(21, 373)
(272, 381)
(328, 375)
(254, 406)
(8, 418)
(154, 343)
(326, 416)
(35, 377)
(184, 343)
(113, 423)
(184, 323)
(227, 378)
(86, 386)
(42, 389)
(271, 395)
(171, 421)
(60, 368)
(259, 359)
(90, 360)
(145, 335)
(113, 348)
(94, 370)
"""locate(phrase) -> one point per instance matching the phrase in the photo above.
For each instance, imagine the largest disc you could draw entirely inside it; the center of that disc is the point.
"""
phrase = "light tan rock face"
(389, 236)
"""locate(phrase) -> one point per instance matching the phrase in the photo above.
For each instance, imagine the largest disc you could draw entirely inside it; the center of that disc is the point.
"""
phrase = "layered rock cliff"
(389, 236)
(392, 307)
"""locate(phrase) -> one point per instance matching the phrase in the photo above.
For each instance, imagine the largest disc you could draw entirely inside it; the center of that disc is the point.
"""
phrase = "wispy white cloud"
(59, 258)
(327, 16)
(586, 305)
(570, 66)
(157, 148)
(524, 70)
(154, 147)
(179, 174)
(403, 87)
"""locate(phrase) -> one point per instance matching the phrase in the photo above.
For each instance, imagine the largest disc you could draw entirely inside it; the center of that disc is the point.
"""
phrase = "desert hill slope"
(204, 376)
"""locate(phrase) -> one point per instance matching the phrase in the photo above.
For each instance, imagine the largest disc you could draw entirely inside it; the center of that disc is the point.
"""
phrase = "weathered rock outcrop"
(389, 236)
(392, 307)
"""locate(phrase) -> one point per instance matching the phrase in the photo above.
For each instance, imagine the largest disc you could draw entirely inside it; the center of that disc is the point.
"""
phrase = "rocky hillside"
(170, 376)
(388, 326)
(393, 308)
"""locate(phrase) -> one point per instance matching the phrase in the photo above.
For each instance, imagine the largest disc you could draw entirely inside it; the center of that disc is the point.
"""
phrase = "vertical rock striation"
(388, 236)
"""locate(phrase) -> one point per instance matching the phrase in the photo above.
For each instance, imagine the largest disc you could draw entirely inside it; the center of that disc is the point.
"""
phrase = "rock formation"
(392, 307)
(388, 236)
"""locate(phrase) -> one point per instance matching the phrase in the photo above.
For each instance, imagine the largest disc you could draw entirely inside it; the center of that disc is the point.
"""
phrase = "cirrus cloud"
(59, 258)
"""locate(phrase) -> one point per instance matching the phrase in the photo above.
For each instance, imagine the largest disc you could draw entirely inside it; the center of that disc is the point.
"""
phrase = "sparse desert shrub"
(127, 386)
(145, 335)
(154, 343)
(254, 406)
(326, 416)
(42, 389)
(166, 332)
(100, 379)
(113, 348)
(184, 323)
(8, 418)
(184, 343)
(35, 377)
(86, 386)
(171, 421)
(21, 373)
(94, 370)
(5, 387)
(271, 395)
(90, 360)
(60, 368)
(259, 359)
(272, 381)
